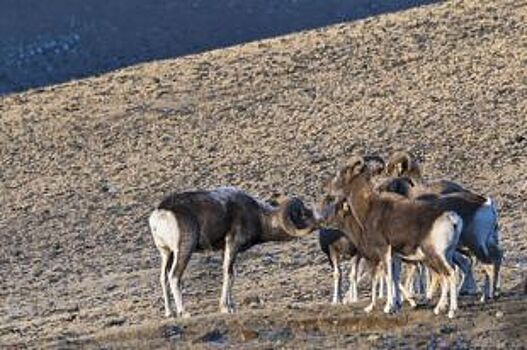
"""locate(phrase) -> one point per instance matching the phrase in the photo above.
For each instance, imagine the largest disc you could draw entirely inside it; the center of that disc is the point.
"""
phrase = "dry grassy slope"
(447, 82)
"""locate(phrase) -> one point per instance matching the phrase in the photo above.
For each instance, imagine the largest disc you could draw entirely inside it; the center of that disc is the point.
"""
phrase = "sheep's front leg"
(353, 293)
(336, 284)
(226, 302)
(409, 284)
(388, 265)
(374, 280)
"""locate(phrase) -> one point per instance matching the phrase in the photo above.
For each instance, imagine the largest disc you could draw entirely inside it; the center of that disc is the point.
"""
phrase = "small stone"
(447, 329)
(109, 188)
(499, 314)
(115, 322)
(373, 337)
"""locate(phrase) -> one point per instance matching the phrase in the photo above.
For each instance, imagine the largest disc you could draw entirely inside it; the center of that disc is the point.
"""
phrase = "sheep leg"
(389, 305)
(165, 256)
(184, 247)
(352, 295)
(443, 299)
(336, 277)
(468, 283)
(181, 258)
(432, 285)
(398, 289)
(374, 280)
(422, 278)
(409, 283)
(382, 287)
(492, 275)
(489, 283)
(407, 296)
(453, 294)
(226, 302)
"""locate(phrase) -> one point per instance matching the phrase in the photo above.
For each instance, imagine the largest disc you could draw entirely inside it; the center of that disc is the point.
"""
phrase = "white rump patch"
(165, 229)
(445, 231)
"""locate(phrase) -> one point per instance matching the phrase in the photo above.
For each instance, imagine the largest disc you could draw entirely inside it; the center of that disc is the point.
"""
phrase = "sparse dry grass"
(83, 163)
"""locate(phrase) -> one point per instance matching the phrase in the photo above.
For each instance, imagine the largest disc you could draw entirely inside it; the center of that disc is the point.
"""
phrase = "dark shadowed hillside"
(43, 42)
(83, 164)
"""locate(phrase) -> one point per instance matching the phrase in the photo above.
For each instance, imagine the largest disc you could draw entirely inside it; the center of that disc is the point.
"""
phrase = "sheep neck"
(273, 228)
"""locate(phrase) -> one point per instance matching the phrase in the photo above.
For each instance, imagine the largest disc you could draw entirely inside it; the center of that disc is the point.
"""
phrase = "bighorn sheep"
(379, 223)
(225, 218)
(480, 235)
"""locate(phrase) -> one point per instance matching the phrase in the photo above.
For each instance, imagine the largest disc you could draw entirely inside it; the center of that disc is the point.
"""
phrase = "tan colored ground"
(83, 163)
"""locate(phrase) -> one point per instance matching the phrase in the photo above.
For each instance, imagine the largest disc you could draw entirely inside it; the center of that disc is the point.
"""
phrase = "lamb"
(480, 236)
(226, 219)
(379, 223)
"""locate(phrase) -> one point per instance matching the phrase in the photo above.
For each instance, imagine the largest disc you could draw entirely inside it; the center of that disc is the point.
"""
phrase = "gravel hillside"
(83, 164)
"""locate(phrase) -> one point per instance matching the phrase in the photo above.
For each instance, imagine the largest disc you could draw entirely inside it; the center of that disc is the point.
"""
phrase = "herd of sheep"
(380, 214)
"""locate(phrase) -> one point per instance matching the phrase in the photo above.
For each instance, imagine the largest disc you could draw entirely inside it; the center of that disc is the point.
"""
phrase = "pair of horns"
(406, 161)
(361, 161)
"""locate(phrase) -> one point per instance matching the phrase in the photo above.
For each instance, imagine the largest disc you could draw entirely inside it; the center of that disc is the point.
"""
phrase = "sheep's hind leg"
(165, 257)
(182, 254)
(443, 299)
(468, 284)
(181, 259)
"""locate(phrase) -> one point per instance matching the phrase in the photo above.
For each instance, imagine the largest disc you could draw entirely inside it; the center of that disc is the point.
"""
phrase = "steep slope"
(83, 163)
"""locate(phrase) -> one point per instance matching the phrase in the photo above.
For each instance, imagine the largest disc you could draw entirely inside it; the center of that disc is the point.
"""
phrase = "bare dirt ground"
(82, 165)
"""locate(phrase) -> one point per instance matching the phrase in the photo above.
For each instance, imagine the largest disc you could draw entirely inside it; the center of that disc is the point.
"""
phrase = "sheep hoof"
(168, 313)
(451, 314)
(185, 315)
(412, 303)
(226, 309)
(350, 299)
(368, 308)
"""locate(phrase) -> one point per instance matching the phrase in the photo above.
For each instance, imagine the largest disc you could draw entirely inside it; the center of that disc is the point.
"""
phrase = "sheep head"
(403, 164)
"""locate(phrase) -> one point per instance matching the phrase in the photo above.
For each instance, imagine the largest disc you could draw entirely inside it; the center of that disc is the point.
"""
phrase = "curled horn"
(355, 161)
(400, 163)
